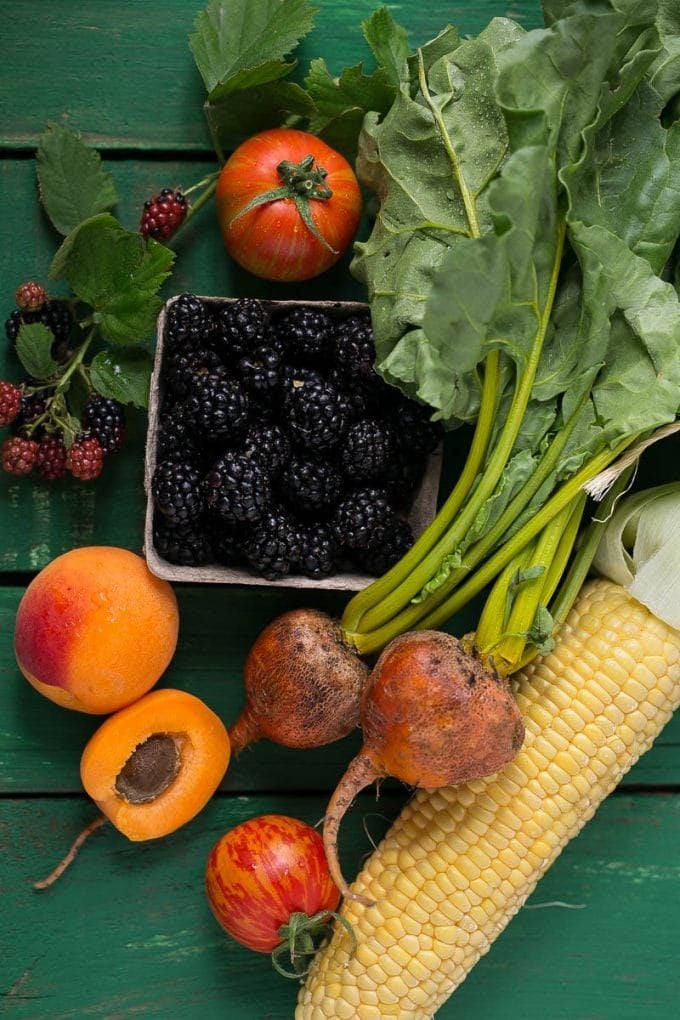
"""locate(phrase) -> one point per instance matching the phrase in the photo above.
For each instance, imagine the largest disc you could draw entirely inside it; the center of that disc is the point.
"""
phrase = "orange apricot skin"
(95, 629)
(205, 752)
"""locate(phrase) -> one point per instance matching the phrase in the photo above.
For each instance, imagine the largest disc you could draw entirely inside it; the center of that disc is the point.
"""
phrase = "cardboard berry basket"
(421, 512)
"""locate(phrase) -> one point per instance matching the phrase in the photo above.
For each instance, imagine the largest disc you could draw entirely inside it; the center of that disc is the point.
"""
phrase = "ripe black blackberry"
(367, 449)
(307, 335)
(163, 214)
(310, 484)
(270, 445)
(354, 350)
(237, 488)
(294, 377)
(363, 518)
(176, 440)
(260, 370)
(242, 326)
(318, 416)
(396, 541)
(186, 545)
(358, 397)
(217, 405)
(176, 491)
(226, 541)
(274, 545)
(416, 433)
(104, 418)
(33, 405)
(54, 314)
(180, 367)
(402, 476)
(188, 324)
(320, 551)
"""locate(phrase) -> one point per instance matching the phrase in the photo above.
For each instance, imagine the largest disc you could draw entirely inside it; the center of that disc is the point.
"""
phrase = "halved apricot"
(154, 765)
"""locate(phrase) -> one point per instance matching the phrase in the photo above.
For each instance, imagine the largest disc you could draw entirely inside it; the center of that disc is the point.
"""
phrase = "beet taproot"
(303, 683)
(432, 715)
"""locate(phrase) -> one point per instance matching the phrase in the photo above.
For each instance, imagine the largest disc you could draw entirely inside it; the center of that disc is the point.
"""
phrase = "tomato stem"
(301, 938)
(302, 182)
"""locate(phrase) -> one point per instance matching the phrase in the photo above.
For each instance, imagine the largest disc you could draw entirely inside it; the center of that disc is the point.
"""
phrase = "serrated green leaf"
(235, 36)
(389, 44)
(118, 274)
(257, 108)
(72, 182)
(352, 90)
(34, 350)
(123, 375)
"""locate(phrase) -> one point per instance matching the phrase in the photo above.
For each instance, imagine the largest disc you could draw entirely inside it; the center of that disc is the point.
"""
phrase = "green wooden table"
(127, 931)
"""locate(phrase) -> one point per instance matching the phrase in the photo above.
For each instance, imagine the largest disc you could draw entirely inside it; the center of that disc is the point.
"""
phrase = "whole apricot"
(95, 629)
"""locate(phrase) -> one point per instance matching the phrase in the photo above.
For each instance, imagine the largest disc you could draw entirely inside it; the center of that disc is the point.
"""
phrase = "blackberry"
(217, 405)
(416, 433)
(85, 458)
(320, 551)
(270, 445)
(402, 476)
(163, 214)
(226, 541)
(185, 545)
(274, 545)
(30, 296)
(51, 458)
(237, 488)
(310, 484)
(104, 418)
(176, 441)
(318, 416)
(54, 314)
(358, 397)
(307, 335)
(260, 370)
(398, 539)
(179, 368)
(294, 377)
(354, 350)
(367, 449)
(188, 324)
(176, 490)
(33, 405)
(19, 455)
(363, 518)
(242, 327)
(10, 403)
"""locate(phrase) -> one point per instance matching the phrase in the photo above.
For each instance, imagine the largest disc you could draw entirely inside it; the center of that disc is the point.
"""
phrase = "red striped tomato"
(263, 872)
(288, 205)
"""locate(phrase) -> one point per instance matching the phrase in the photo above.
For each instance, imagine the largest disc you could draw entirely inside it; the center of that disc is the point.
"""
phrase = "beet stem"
(361, 771)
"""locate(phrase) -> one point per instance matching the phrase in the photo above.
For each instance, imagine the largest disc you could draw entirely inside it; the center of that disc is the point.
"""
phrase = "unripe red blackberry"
(30, 296)
(163, 214)
(51, 458)
(85, 459)
(10, 402)
(19, 455)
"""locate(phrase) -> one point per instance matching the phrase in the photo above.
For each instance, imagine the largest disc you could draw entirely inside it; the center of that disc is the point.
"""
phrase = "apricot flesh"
(95, 629)
(151, 767)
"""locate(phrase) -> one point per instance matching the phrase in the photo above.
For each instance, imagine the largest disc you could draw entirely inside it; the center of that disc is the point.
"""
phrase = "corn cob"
(459, 863)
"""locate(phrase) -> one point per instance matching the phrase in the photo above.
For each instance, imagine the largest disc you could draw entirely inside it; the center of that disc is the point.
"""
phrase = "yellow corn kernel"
(621, 672)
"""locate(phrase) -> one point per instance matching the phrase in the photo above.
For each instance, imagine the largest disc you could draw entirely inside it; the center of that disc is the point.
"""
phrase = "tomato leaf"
(34, 350)
(117, 273)
(122, 375)
(72, 183)
(237, 44)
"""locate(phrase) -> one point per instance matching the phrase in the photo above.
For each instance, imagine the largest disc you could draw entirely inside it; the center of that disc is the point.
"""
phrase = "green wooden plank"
(41, 744)
(124, 75)
(127, 931)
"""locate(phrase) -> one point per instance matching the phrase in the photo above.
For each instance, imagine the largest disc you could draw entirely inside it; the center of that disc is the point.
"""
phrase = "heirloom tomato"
(288, 205)
(268, 886)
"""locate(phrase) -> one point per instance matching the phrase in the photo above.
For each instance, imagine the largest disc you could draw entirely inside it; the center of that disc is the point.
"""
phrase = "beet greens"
(518, 273)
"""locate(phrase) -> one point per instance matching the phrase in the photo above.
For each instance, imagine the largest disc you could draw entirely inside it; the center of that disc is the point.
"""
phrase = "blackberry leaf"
(73, 184)
(123, 375)
(34, 350)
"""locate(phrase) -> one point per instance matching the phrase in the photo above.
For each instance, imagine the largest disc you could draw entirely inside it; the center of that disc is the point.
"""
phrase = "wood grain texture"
(122, 72)
(127, 930)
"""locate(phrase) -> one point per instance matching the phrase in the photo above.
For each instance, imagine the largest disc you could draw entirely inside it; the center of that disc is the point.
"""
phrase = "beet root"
(432, 715)
(303, 683)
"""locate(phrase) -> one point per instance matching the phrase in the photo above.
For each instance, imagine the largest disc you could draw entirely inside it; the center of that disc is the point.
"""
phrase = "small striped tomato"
(288, 205)
(269, 887)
